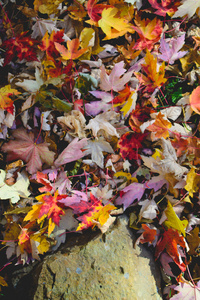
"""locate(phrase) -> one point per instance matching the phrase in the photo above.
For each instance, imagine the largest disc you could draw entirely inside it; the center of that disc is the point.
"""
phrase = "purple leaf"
(71, 153)
(132, 192)
(170, 49)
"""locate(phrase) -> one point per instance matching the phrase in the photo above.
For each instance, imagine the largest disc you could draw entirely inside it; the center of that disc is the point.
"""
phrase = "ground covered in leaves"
(99, 115)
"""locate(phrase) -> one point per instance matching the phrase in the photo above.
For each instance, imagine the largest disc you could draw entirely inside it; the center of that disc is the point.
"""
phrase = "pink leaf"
(114, 81)
(25, 148)
(187, 291)
(71, 153)
(132, 192)
(170, 49)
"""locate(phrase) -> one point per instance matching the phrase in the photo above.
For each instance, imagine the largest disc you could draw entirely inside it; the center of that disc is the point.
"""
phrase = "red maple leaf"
(48, 44)
(169, 242)
(51, 207)
(21, 46)
(130, 143)
(94, 10)
(149, 32)
(164, 7)
(24, 147)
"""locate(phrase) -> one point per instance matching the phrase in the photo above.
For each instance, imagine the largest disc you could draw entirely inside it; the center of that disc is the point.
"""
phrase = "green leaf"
(49, 101)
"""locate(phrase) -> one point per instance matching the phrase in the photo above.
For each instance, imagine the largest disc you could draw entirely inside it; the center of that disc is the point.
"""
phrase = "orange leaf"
(195, 100)
(149, 32)
(159, 128)
(72, 51)
(169, 242)
(148, 234)
(154, 77)
(5, 101)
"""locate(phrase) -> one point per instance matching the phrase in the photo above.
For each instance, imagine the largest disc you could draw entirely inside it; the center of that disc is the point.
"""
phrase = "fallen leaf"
(195, 100)
(72, 51)
(71, 153)
(169, 241)
(187, 8)
(159, 128)
(24, 147)
(5, 98)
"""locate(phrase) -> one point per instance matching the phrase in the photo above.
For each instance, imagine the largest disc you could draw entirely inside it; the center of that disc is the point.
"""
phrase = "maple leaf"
(39, 242)
(49, 207)
(115, 81)
(187, 291)
(71, 153)
(112, 25)
(173, 220)
(122, 96)
(170, 49)
(101, 122)
(164, 7)
(48, 45)
(42, 26)
(159, 128)
(167, 164)
(154, 77)
(149, 32)
(5, 101)
(187, 8)
(24, 147)
(130, 193)
(130, 144)
(72, 51)
(96, 148)
(97, 212)
(95, 10)
(148, 236)
(195, 100)
(169, 241)
(20, 46)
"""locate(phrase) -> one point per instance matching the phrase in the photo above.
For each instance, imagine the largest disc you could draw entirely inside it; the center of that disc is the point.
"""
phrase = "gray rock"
(106, 268)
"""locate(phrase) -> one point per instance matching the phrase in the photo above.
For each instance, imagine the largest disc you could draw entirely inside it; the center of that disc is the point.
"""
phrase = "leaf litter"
(99, 116)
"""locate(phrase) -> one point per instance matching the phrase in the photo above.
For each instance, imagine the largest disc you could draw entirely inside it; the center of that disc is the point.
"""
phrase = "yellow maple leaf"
(154, 76)
(5, 101)
(192, 182)
(173, 220)
(41, 239)
(34, 212)
(112, 25)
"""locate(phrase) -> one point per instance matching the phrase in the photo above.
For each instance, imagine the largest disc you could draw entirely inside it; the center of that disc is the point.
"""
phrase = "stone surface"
(106, 268)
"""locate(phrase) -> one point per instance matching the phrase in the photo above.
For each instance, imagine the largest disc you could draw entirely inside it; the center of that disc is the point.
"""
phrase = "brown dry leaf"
(193, 240)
